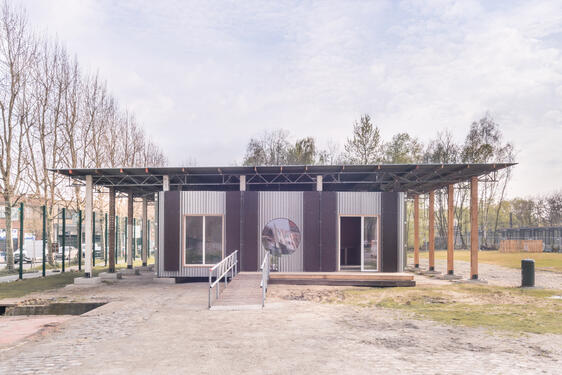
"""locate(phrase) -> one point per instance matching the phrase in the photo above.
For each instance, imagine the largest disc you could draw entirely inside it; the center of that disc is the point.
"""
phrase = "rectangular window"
(203, 239)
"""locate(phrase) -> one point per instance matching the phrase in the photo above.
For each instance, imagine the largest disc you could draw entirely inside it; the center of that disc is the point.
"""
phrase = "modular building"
(309, 218)
(319, 231)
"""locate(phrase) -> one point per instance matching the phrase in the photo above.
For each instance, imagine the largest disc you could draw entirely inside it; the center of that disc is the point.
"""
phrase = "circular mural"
(281, 237)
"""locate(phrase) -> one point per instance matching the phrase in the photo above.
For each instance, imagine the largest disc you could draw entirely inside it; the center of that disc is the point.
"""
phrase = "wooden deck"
(244, 291)
(376, 279)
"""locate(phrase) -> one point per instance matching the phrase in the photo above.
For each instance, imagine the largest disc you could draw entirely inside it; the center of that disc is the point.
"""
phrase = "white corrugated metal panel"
(187, 272)
(359, 203)
(203, 202)
(282, 204)
(192, 203)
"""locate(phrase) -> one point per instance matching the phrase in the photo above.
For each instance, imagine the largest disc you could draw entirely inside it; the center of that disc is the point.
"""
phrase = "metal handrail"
(265, 265)
(221, 269)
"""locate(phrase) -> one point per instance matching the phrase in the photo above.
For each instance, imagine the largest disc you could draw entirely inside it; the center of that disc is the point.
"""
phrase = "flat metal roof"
(409, 178)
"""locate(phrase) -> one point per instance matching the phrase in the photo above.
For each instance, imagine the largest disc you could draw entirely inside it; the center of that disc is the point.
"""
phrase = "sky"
(203, 77)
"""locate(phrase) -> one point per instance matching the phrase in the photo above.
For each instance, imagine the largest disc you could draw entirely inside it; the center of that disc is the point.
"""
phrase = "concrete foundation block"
(110, 276)
(430, 273)
(87, 281)
(471, 281)
(145, 269)
(130, 272)
(164, 280)
(449, 277)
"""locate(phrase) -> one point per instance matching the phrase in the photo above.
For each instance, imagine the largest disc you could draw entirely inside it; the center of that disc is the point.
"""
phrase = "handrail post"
(225, 267)
(210, 287)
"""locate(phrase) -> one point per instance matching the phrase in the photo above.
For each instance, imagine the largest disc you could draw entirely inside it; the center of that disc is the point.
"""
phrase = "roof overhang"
(408, 178)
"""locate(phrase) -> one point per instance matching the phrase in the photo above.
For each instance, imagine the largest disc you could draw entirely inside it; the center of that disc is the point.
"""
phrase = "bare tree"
(443, 149)
(403, 149)
(17, 53)
(269, 149)
(484, 144)
(44, 139)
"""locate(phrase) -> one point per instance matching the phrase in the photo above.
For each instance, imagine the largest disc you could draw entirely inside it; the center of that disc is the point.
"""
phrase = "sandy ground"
(155, 328)
(498, 275)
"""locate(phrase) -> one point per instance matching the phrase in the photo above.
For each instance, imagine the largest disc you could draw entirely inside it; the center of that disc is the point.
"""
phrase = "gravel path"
(149, 328)
(498, 275)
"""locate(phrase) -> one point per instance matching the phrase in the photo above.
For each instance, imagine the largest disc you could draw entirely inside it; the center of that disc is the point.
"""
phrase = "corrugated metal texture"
(160, 233)
(188, 272)
(359, 203)
(282, 204)
(192, 203)
(203, 202)
(401, 232)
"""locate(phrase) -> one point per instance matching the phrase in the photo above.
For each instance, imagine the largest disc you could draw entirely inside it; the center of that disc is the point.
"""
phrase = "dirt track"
(154, 328)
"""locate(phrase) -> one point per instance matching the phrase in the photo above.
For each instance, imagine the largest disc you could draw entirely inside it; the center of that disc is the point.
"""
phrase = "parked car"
(70, 252)
(97, 251)
(26, 259)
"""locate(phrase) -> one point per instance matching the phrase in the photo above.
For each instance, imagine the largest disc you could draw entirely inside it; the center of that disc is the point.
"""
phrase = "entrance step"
(242, 293)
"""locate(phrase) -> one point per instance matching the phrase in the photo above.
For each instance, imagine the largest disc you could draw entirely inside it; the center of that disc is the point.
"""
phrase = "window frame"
(183, 239)
(362, 216)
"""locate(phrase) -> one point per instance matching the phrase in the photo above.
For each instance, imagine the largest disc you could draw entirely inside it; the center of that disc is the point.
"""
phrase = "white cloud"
(205, 76)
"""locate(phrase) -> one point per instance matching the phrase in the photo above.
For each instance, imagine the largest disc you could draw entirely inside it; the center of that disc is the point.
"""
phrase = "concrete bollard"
(527, 273)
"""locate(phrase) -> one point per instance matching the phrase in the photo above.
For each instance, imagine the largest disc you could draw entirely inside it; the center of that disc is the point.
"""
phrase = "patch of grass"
(23, 287)
(497, 308)
(543, 261)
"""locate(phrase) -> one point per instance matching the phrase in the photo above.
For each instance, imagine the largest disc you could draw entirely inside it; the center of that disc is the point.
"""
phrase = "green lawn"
(21, 288)
(543, 261)
(496, 308)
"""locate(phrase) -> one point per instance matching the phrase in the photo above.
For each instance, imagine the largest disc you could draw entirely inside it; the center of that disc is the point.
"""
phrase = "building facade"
(310, 231)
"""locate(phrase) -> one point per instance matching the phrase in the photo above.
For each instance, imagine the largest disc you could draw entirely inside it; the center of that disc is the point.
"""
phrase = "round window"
(281, 237)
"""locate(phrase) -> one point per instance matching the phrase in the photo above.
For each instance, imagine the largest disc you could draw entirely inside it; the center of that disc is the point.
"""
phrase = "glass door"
(370, 245)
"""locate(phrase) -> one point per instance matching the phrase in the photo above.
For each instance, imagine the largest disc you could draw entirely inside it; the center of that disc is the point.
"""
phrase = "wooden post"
(417, 231)
(111, 235)
(432, 230)
(450, 230)
(474, 228)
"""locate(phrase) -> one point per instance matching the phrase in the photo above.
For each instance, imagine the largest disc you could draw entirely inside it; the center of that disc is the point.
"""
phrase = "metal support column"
(63, 238)
(79, 236)
(130, 230)
(111, 235)
(44, 237)
(117, 240)
(93, 239)
(105, 239)
(21, 240)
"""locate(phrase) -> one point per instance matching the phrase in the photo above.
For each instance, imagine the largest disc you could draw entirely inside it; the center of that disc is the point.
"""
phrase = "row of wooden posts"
(450, 230)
